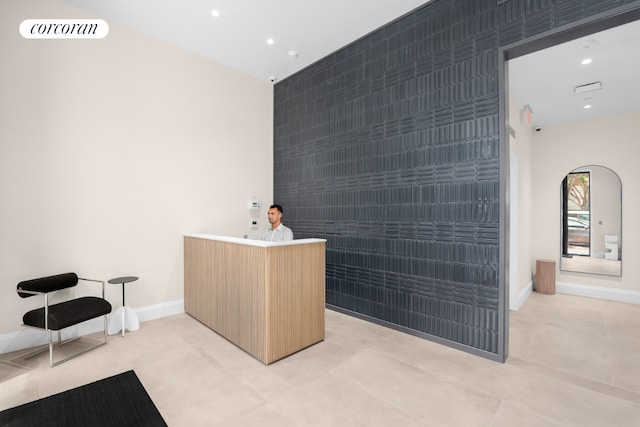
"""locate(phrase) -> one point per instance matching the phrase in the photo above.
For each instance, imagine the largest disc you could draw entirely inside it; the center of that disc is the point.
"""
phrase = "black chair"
(56, 317)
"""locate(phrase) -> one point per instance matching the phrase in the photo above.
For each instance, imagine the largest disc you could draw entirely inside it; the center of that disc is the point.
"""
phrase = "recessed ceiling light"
(215, 13)
(587, 44)
(586, 61)
(586, 107)
(270, 41)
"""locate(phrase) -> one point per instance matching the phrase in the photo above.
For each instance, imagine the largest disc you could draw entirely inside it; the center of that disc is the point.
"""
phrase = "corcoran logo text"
(64, 29)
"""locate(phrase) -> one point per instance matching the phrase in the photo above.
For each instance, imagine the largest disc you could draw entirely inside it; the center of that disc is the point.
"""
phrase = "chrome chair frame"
(60, 342)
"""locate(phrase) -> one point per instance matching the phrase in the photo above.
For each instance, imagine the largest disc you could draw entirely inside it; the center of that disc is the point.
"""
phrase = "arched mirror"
(591, 221)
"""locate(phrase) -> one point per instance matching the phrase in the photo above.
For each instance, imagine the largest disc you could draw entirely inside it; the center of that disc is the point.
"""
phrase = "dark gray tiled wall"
(389, 149)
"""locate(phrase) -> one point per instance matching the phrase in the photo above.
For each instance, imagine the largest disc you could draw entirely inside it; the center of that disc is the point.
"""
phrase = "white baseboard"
(620, 295)
(522, 297)
(27, 337)
(157, 311)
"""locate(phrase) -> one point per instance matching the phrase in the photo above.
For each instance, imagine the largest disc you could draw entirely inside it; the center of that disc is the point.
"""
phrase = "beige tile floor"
(573, 362)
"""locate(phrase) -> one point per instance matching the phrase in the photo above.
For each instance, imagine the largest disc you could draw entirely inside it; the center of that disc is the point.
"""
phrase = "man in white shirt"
(278, 231)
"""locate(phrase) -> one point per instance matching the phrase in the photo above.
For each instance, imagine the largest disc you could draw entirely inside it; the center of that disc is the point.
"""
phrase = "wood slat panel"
(295, 298)
(267, 300)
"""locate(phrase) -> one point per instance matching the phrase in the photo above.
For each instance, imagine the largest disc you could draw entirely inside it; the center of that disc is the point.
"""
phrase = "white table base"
(123, 318)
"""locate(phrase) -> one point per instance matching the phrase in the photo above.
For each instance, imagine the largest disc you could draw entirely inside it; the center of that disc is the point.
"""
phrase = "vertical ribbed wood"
(269, 301)
(295, 298)
(198, 272)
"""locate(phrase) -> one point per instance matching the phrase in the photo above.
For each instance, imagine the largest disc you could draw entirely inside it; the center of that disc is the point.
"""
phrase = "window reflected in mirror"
(576, 214)
(591, 221)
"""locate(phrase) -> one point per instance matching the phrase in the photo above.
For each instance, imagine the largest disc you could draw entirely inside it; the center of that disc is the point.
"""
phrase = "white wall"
(521, 260)
(111, 150)
(610, 142)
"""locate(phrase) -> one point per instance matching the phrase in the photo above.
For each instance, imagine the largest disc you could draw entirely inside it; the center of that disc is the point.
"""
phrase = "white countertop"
(252, 242)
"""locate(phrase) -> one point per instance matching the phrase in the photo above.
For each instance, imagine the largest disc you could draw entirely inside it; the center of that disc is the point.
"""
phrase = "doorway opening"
(594, 24)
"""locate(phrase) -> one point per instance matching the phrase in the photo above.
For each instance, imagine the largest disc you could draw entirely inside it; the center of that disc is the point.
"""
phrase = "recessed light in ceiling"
(586, 61)
(586, 107)
(270, 41)
(587, 44)
(215, 13)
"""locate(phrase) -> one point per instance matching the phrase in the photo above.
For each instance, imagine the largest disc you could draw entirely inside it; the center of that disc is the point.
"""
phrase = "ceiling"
(545, 80)
(542, 80)
(238, 37)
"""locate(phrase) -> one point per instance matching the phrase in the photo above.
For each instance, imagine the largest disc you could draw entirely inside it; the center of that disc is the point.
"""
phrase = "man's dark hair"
(277, 207)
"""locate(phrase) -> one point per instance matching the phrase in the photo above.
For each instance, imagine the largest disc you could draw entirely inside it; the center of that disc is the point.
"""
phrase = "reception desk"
(268, 298)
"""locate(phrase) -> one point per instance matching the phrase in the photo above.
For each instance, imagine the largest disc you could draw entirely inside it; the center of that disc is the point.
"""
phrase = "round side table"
(128, 316)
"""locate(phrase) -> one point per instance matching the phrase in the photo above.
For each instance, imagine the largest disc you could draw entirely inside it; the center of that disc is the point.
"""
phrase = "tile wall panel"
(389, 149)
